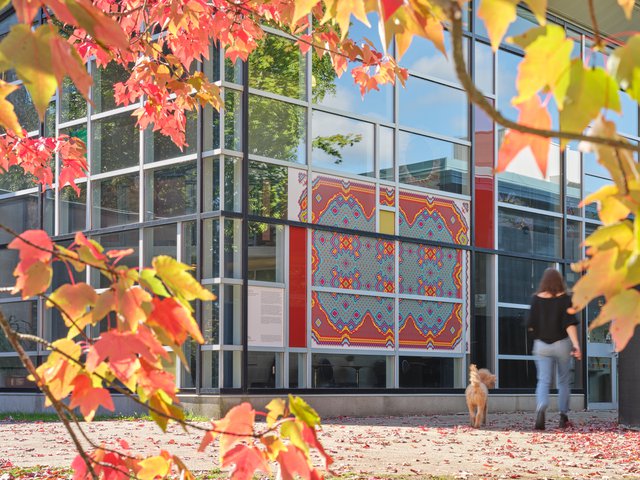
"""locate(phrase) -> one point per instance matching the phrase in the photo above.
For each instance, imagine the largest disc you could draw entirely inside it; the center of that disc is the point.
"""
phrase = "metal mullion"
(115, 111)
(244, 374)
(435, 136)
(536, 211)
(280, 98)
(352, 116)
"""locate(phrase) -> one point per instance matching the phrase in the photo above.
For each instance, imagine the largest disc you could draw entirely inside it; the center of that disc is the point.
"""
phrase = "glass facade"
(351, 243)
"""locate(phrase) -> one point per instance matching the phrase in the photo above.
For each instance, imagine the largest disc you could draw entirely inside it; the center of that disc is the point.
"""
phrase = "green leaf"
(29, 53)
(590, 90)
(624, 66)
(546, 63)
(302, 411)
(149, 280)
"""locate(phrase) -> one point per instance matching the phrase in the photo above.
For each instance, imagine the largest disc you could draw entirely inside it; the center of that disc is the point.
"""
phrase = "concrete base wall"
(214, 406)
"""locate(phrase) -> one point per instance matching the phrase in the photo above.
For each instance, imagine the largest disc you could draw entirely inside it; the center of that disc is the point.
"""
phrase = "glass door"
(601, 362)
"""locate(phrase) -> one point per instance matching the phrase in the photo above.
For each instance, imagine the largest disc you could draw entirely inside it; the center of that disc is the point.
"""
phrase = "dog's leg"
(484, 416)
(479, 417)
(472, 415)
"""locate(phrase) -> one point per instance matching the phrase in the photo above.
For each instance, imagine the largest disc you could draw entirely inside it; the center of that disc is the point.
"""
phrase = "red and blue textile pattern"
(387, 196)
(343, 203)
(430, 271)
(433, 218)
(352, 262)
(356, 321)
(429, 325)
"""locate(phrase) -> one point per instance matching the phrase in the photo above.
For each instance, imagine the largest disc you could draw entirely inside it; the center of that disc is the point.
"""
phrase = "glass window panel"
(266, 252)
(484, 67)
(233, 184)
(297, 367)
(13, 374)
(50, 120)
(8, 261)
(19, 214)
(211, 183)
(233, 71)
(73, 209)
(211, 369)
(118, 241)
(507, 72)
(25, 111)
(600, 376)
(523, 22)
(211, 317)
(190, 244)
(593, 167)
(517, 374)
(484, 313)
(434, 108)
(72, 103)
(574, 239)
(115, 143)
(591, 185)
(423, 58)
(22, 318)
(574, 180)
(188, 371)
(211, 248)
(426, 372)
(276, 129)
(386, 153)
(232, 368)
(15, 179)
(160, 147)
(103, 81)
(277, 66)
(431, 163)
(48, 211)
(232, 120)
(526, 232)
(171, 192)
(268, 190)
(349, 371)
(232, 308)
(262, 369)
(513, 338)
(341, 143)
(522, 183)
(160, 240)
(116, 200)
(77, 131)
(628, 121)
(342, 93)
(232, 248)
(518, 278)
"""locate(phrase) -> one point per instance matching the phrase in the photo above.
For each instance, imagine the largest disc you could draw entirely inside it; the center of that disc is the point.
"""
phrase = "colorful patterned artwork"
(297, 207)
(356, 321)
(434, 218)
(343, 203)
(352, 262)
(430, 271)
(387, 196)
(430, 325)
(298, 202)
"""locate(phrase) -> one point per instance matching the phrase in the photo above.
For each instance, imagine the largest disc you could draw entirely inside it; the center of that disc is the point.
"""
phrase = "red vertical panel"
(483, 138)
(297, 287)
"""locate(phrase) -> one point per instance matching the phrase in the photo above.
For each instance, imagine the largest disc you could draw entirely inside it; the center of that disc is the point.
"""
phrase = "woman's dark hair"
(552, 282)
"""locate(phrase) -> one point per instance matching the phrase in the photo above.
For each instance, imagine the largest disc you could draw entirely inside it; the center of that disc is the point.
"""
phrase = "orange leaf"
(33, 246)
(389, 7)
(66, 62)
(239, 422)
(34, 281)
(8, 118)
(89, 398)
(175, 320)
(293, 462)
(130, 303)
(532, 114)
(247, 460)
(26, 9)
(74, 300)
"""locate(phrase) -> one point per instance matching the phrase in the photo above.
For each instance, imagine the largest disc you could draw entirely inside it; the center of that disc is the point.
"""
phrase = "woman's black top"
(548, 318)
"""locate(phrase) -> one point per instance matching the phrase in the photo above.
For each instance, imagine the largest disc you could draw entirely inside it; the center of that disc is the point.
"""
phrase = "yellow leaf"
(623, 310)
(620, 234)
(29, 52)
(153, 467)
(340, 12)
(293, 431)
(276, 409)
(546, 63)
(627, 6)
(497, 16)
(302, 8)
(8, 118)
(539, 9)
(177, 278)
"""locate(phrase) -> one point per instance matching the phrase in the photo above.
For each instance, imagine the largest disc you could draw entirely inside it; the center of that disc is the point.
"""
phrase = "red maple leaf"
(88, 397)
(247, 459)
(532, 114)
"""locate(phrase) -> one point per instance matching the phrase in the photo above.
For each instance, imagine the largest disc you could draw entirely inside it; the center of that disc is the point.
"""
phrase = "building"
(355, 245)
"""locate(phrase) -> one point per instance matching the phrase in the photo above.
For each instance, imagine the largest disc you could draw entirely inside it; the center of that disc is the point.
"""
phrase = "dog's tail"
(474, 378)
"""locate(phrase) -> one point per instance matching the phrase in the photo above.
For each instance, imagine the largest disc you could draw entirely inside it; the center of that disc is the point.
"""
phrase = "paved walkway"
(391, 447)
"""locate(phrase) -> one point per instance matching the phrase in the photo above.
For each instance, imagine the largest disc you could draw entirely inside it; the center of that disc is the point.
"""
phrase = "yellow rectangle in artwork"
(387, 222)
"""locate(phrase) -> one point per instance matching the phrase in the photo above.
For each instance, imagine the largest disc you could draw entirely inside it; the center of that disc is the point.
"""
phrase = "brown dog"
(477, 394)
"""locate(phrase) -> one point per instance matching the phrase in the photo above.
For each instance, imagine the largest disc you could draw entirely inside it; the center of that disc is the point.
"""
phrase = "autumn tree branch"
(476, 96)
(26, 361)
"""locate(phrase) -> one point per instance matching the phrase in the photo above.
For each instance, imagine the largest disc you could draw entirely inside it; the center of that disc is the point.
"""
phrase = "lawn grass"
(52, 417)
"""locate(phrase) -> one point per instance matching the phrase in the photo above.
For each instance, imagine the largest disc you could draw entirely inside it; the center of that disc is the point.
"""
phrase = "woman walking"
(555, 341)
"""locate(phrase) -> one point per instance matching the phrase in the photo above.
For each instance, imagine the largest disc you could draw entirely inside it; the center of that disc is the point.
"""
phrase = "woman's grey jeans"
(548, 356)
